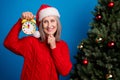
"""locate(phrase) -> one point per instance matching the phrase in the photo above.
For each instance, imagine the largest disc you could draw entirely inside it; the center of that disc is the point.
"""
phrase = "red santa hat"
(44, 11)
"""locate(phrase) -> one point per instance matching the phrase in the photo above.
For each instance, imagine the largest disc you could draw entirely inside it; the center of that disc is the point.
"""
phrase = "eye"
(45, 21)
(52, 20)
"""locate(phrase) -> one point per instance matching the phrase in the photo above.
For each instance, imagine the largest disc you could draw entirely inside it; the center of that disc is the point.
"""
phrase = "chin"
(51, 33)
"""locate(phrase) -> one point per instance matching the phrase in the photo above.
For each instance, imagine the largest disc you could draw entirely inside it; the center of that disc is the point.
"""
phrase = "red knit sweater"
(40, 62)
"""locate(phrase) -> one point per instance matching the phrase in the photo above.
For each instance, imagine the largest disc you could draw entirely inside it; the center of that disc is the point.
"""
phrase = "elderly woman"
(45, 57)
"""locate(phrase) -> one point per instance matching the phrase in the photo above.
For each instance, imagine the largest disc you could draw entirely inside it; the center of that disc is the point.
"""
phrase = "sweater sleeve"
(61, 58)
(12, 41)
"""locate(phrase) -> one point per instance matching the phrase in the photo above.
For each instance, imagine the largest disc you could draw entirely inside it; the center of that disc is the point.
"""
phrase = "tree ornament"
(99, 39)
(98, 17)
(85, 61)
(111, 4)
(109, 76)
(80, 46)
(111, 44)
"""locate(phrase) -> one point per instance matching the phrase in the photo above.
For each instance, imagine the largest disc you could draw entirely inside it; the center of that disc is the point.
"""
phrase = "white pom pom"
(36, 34)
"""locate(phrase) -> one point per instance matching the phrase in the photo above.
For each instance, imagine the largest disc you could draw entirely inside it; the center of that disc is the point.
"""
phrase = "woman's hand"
(27, 15)
(51, 41)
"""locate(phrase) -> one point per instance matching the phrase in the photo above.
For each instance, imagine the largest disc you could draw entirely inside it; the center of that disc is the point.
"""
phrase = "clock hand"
(28, 26)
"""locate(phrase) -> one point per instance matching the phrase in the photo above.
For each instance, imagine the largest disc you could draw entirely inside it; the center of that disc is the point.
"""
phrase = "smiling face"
(50, 25)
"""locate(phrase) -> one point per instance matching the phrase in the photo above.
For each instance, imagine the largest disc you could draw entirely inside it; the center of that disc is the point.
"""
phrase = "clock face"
(28, 27)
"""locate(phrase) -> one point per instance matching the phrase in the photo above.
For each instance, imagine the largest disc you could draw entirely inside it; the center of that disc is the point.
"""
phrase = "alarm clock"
(28, 26)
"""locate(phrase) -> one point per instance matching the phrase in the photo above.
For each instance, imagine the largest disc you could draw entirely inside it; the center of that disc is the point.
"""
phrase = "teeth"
(49, 29)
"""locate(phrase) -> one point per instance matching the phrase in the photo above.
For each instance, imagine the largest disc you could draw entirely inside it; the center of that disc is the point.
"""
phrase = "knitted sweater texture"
(40, 62)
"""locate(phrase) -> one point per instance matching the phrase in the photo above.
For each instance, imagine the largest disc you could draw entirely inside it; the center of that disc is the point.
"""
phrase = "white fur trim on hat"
(50, 11)
(36, 34)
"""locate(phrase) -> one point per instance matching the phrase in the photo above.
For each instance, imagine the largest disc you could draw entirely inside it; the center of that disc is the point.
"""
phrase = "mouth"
(50, 29)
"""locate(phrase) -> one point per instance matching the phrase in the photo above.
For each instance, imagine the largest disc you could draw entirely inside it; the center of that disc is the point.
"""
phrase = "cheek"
(55, 24)
(44, 25)
(56, 27)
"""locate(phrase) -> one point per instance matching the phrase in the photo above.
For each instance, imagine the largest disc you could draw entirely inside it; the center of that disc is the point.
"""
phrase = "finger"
(48, 36)
(31, 15)
(51, 35)
(26, 15)
(23, 15)
(49, 41)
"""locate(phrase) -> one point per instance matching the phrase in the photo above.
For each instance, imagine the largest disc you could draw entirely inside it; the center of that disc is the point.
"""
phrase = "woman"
(45, 57)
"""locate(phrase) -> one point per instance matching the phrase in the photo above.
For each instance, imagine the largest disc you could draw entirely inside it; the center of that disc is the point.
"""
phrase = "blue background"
(75, 18)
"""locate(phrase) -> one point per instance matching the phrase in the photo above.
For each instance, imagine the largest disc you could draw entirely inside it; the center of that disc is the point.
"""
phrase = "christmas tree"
(98, 56)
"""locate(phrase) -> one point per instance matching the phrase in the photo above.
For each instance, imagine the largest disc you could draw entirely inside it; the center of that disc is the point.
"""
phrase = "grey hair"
(57, 33)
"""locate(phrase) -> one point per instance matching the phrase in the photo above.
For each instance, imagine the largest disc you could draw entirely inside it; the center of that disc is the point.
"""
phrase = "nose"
(49, 24)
